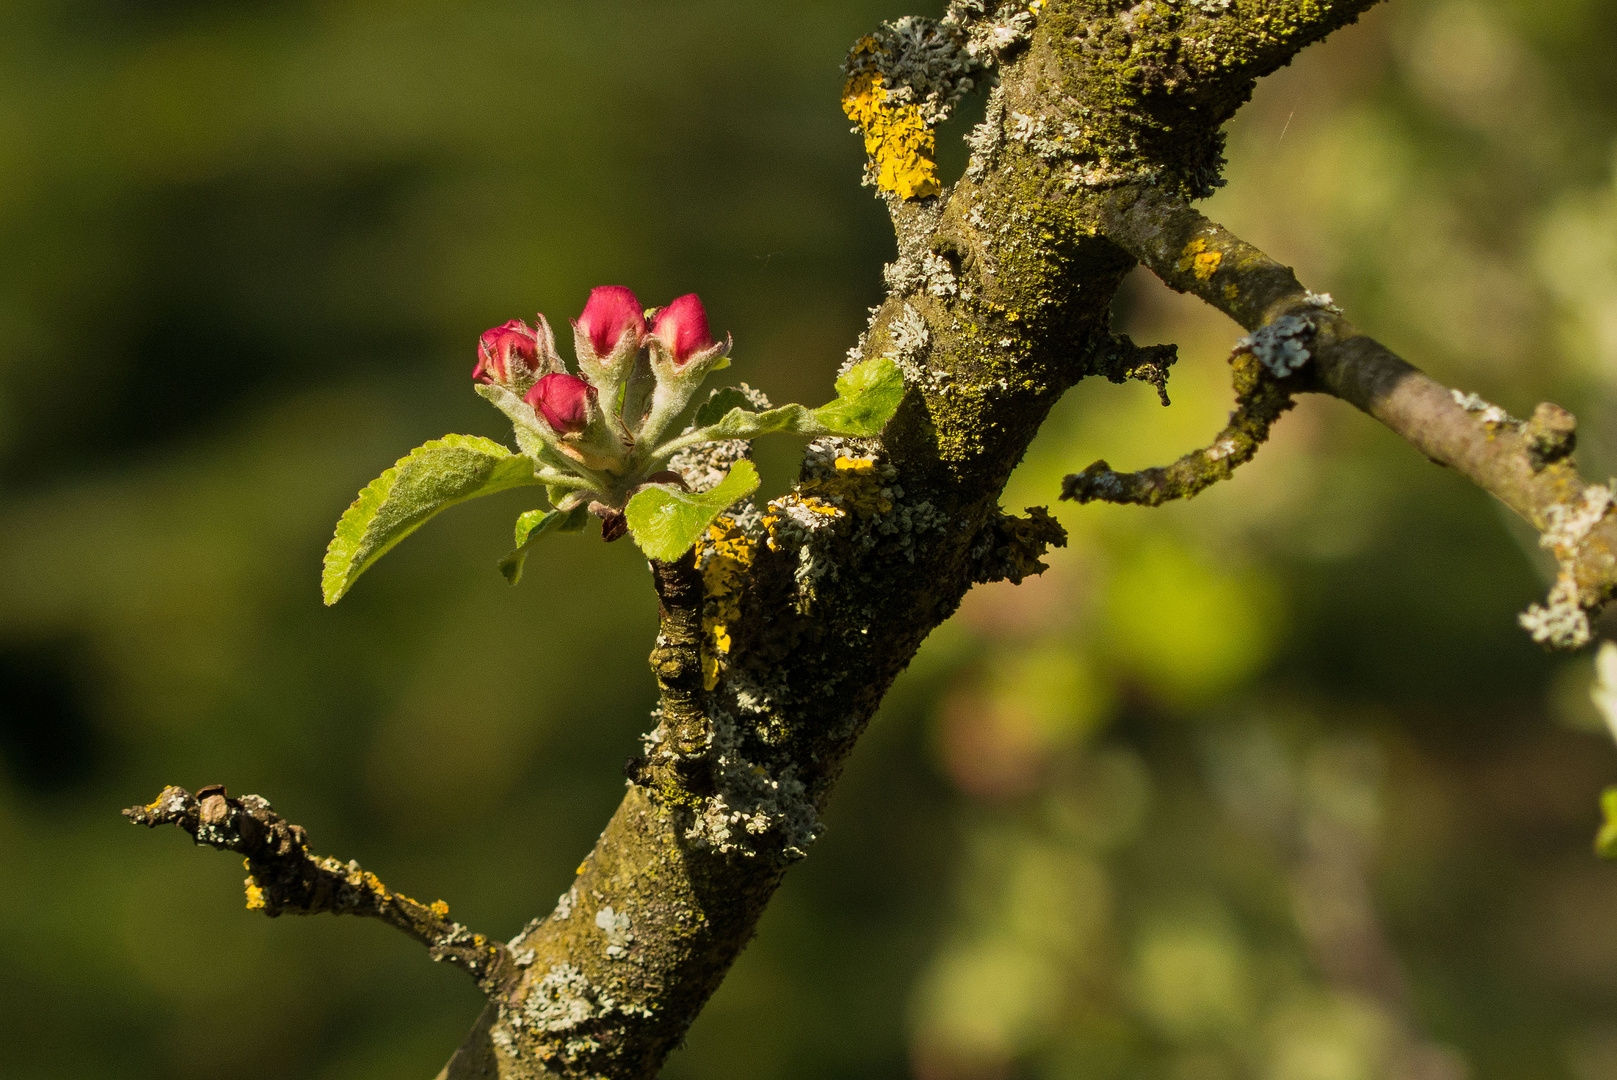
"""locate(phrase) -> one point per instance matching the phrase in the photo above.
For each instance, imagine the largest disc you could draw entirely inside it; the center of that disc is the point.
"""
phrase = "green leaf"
(868, 396)
(397, 503)
(535, 524)
(723, 400)
(667, 522)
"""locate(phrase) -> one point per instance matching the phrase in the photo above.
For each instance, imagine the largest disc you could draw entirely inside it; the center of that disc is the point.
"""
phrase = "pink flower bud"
(506, 352)
(564, 402)
(611, 313)
(682, 329)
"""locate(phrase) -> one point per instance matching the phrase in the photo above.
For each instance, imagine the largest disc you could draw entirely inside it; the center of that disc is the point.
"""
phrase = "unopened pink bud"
(564, 402)
(505, 352)
(682, 328)
(612, 312)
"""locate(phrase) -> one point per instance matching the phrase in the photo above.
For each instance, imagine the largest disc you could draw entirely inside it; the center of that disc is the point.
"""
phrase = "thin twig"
(1260, 399)
(286, 879)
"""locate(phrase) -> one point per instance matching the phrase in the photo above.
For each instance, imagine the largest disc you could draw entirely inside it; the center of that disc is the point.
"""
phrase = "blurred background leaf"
(1267, 784)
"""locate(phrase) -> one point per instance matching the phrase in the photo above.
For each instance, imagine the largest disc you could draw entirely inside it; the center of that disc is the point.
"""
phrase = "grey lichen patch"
(1489, 414)
(921, 62)
(938, 275)
(910, 336)
(1322, 301)
(1281, 346)
(1569, 525)
(615, 926)
(1561, 622)
(560, 1017)
(992, 30)
(756, 811)
(984, 140)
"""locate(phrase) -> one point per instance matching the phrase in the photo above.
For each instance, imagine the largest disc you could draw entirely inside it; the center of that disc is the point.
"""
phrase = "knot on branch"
(1552, 434)
(285, 878)
(1260, 401)
(1009, 548)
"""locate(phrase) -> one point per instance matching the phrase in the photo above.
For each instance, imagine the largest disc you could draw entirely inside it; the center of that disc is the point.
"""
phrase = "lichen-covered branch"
(284, 878)
(1260, 398)
(781, 636)
(1527, 465)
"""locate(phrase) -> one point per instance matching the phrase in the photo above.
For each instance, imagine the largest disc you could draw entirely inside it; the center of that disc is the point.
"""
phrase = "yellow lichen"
(900, 145)
(255, 895)
(440, 909)
(1231, 291)
(725, 555)
(1197, 259)
(857, 485)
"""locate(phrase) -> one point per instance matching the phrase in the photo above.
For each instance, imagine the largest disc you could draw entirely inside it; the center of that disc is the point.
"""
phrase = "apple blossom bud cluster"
(598, 438)
(601, 425)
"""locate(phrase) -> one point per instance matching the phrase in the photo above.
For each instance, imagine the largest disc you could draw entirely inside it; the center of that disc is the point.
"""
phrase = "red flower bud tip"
(564, 402)
(682, 328)
(612, 312)
(498, 347)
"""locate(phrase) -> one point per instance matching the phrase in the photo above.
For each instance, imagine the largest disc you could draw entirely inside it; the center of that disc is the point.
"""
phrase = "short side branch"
(1260, 399)
(1526, 465)
(286, 879)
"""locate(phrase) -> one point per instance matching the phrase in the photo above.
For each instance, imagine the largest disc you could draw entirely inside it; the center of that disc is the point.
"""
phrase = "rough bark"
(783, 632)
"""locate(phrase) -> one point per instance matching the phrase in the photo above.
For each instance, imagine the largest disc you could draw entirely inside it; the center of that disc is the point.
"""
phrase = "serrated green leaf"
(666, 522)
(397, 503)
(531, 527)
(723, 400)
(867, 397)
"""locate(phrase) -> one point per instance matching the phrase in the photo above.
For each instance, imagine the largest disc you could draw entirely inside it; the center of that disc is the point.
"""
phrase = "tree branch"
(1527, 465)
(285, 879)
(781, 637)
(1259, 402)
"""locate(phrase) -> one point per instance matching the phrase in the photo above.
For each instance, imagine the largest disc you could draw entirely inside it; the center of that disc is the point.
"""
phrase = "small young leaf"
(431, 477)
(666, 522)
(867, 397)
(723, 400)
(535, 524)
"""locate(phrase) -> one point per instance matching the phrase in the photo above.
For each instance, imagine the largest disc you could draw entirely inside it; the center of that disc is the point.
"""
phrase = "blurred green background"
(1264, 785)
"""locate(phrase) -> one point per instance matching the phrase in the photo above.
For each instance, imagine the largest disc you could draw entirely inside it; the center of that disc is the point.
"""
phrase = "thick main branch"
(781, 638)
